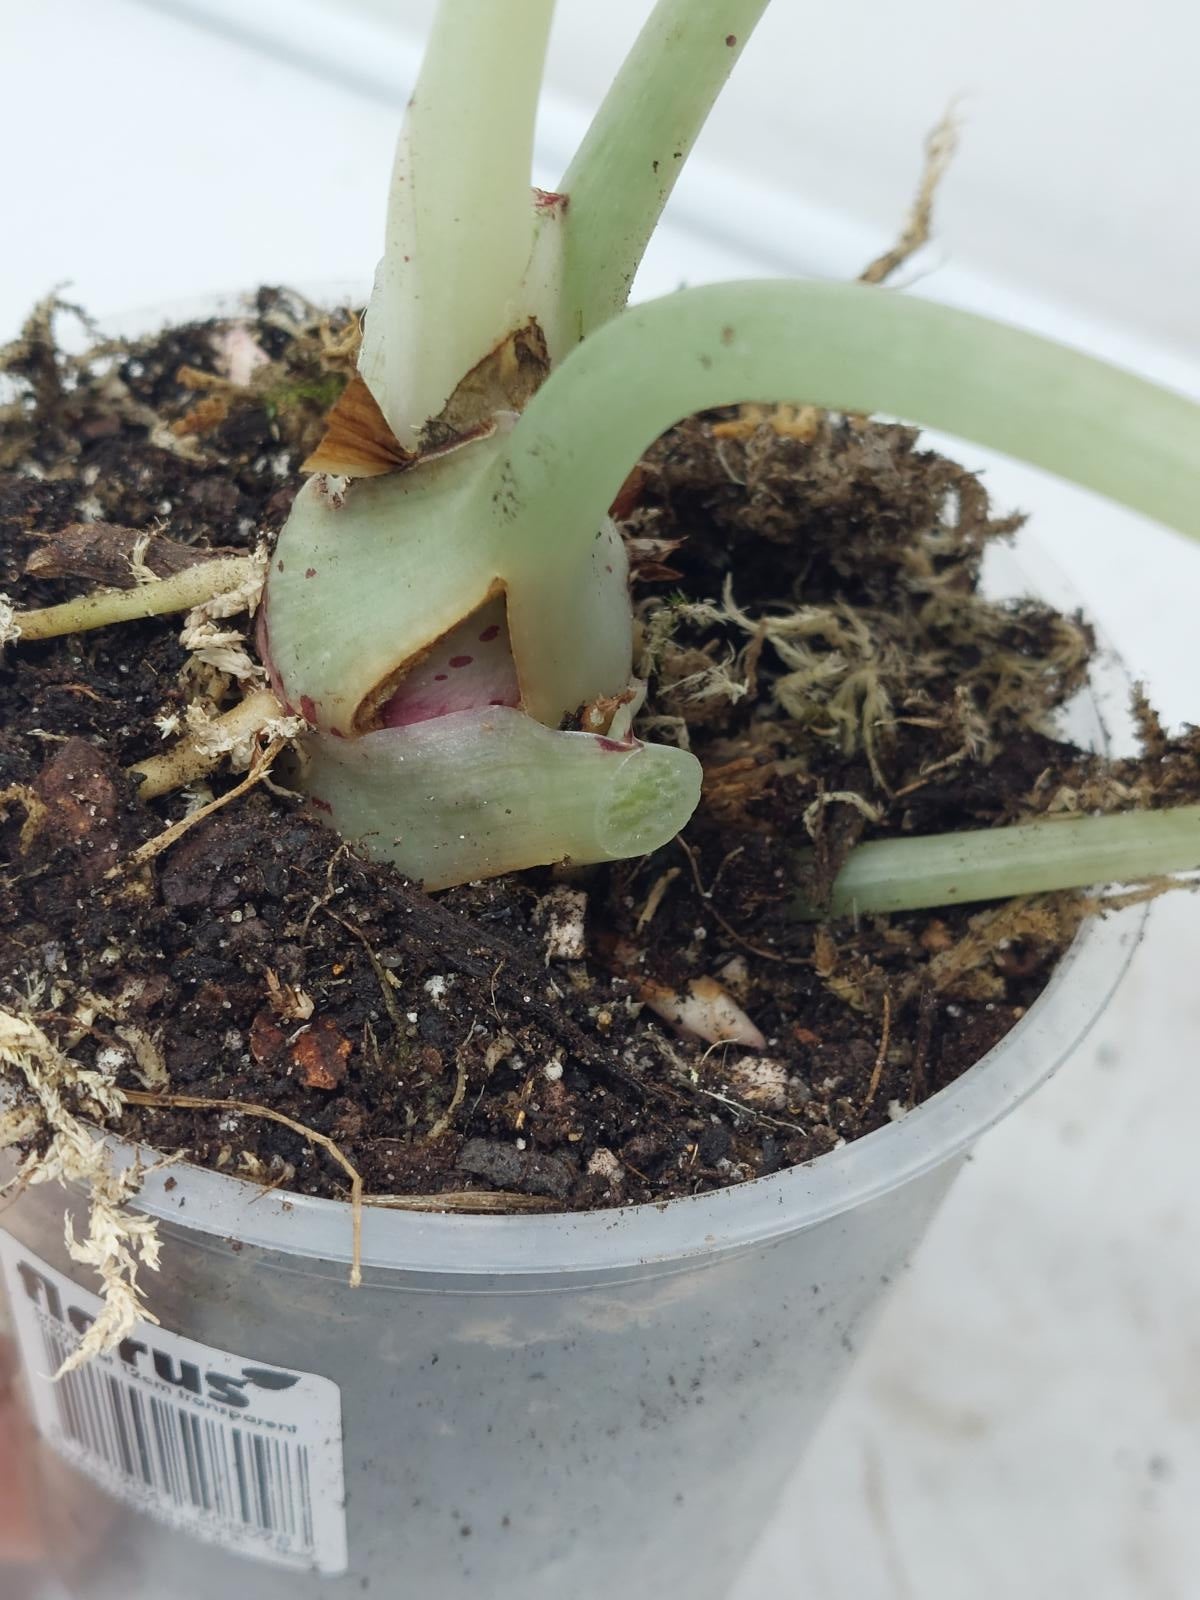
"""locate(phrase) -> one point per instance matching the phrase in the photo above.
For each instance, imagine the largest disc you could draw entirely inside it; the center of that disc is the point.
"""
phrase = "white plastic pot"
(509, 1408)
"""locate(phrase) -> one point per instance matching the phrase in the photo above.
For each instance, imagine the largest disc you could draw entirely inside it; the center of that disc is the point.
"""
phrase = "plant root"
(244, 1108)
(172, 835)
(196, 585)
(239, 733)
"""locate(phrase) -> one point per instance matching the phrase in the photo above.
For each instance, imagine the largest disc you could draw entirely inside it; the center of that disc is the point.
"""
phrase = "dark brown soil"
(810, 622)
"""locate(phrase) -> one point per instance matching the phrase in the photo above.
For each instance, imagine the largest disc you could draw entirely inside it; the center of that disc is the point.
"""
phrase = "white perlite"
(760, 1081)
(603, 1164)
(437, 988)
(563, 914)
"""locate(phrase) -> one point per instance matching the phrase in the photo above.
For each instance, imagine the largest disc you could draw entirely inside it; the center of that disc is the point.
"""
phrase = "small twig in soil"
(331, 890)
(442, 1125)
(465, 1200)
(109, 554)
(926, 1016)
(940, 147)
(750, 1112)
(176, 831)
(655, 898)
(492, 984)
(738, 938)
(244, 1108)
(193, 586)
(881, 1058)
(383, 977)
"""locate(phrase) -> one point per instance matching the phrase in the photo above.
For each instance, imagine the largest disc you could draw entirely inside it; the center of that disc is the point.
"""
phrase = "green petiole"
(997, 863)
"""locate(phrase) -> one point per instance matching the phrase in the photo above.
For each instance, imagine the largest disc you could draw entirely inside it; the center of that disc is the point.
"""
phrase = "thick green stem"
(460, 226)
(846, 347)
(626, 167)
(997, 863)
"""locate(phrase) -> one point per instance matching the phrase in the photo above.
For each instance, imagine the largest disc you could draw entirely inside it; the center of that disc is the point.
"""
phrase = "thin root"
(182, 591)
(176, 831)
(204, 747)
(244, 1108)
(884, 1040)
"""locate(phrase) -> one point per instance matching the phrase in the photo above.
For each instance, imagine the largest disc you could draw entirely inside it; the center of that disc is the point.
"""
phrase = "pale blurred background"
(1026, 1424)
(1079, 167)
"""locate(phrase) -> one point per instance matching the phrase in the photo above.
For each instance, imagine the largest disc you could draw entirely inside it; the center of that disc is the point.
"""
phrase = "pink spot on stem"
(321, 805)
(613, 744)
(310, 572)
(308, 708)
(460, 674)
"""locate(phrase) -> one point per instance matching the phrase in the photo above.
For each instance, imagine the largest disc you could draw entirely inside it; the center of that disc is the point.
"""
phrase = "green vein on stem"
(626, 167)
(949, 869)
(844, 347)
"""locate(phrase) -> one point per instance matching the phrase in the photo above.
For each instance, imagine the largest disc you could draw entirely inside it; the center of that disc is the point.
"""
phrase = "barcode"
(244, 1480)
(235, 1450)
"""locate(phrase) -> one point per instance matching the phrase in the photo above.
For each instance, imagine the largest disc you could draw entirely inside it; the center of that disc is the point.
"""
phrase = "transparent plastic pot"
(555, 1407)
(539, 1406)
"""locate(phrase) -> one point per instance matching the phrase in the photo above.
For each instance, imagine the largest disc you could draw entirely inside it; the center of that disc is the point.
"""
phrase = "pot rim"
(679, 1230)
(684, 1230)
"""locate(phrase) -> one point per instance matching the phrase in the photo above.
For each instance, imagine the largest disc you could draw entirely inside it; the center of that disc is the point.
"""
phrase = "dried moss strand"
(888, 875)
(940, 148)
(180, 592)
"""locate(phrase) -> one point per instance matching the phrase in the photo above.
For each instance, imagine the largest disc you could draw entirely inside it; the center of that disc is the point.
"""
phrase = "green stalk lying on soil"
(997, 863)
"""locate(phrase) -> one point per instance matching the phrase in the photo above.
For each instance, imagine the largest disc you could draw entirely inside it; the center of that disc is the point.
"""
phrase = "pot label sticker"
(226, 1448)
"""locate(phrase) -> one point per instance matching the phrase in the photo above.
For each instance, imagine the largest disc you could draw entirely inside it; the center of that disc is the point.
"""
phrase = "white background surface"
(1027, 1420)
(1082, 139)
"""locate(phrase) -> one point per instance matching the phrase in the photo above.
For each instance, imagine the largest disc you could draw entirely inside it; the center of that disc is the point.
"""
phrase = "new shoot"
(453, 617)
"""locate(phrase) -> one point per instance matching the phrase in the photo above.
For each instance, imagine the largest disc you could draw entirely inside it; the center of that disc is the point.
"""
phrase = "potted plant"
(529, 1364)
